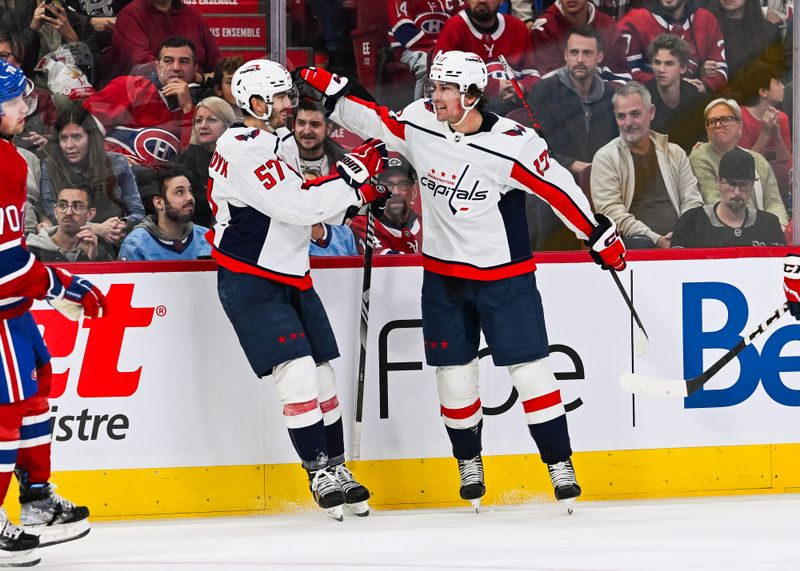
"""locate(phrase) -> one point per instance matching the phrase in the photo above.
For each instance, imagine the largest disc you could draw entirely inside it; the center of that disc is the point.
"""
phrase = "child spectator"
(765, 129)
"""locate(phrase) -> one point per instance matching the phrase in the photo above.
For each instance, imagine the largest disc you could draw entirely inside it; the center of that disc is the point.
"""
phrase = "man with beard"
(577, 118)
(479, 29)
(697, 26)
(640, 180)
(398, 230)
(170, 234)
(551, 30)
(318, 152)
(733, 221)
(71, 239)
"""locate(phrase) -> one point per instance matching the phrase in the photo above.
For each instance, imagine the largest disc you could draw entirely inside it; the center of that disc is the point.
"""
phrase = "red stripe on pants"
(462, 413)
(36, 460)
(540, 403)
(329, 404)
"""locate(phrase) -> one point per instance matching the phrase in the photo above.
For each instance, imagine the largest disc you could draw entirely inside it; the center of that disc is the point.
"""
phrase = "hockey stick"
(358, 393)
(642, 341)
(652, 386)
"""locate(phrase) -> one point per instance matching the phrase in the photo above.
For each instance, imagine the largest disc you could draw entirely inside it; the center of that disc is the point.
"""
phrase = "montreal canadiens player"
(25, 372)
(474, 169)
(264, 210)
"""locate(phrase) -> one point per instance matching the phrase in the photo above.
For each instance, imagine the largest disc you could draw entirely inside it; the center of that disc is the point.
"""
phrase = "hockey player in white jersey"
(264, 211)
(474, 168)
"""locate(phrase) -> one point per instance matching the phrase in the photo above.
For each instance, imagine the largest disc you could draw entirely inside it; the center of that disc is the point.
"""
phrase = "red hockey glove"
(363, 162)
(791, 283)
(605, 245)
(375, 195)
(74, 296)
(329, 85)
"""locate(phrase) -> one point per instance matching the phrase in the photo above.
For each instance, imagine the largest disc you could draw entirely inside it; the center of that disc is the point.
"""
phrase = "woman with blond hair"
(212, 116)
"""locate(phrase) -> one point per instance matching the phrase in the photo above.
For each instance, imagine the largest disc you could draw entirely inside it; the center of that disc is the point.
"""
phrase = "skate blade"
(59, 533)
(360, 509)
(476, 503)
(336, 513)
(569, 504)
(20, 558)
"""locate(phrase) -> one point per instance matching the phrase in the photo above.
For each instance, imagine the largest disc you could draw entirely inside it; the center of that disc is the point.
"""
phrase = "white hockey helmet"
(264, 78)
(462, 68)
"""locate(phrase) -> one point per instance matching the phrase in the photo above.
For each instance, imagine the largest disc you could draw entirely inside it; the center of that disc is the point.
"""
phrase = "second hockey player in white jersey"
(264, 211)
(474, 169)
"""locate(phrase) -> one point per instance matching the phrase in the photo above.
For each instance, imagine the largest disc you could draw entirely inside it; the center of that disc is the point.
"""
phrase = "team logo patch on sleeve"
(517, 131)
(249, 135)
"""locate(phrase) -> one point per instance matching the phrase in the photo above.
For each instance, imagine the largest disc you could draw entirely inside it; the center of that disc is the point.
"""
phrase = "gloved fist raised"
(791, 283)
(74, 296)
(605, 245)
(363, 162)
(329, 85)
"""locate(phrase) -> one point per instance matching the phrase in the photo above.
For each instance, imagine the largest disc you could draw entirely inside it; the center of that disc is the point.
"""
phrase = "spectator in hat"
(399, 229)
(733, 220)
(723, 118)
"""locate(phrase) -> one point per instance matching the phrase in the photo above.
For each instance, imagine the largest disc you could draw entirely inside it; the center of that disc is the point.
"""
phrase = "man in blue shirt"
(170, 234)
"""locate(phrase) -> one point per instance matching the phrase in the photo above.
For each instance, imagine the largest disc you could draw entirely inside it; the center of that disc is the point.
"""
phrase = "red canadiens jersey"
(699, 29)
(21, 275)
(415, 24)
(389, 239)
(511, 39)
(549, 35)
(139, 122)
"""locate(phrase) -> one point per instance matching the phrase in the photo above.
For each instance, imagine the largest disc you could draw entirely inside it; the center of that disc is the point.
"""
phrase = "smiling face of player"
(446, 99)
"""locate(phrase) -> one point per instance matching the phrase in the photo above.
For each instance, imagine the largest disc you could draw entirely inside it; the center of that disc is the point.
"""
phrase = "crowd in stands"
(674, 116)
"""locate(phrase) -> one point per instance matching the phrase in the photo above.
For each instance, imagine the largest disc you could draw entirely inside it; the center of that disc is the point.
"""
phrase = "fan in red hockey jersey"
(481, 30)
(697, 26)
(551, 29)
(414, 26)
(399, 229)
(474, 169)
(25, 372)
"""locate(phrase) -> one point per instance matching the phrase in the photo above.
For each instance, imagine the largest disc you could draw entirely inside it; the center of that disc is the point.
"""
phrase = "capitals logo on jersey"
(517, 131)
(448, 185)
(249, 135)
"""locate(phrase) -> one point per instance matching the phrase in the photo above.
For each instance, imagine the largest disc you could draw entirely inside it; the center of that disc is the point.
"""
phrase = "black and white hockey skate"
(472, 486)
(355, 494)
(566, 488)
(53, 518)
(327, 492)
(17, 548)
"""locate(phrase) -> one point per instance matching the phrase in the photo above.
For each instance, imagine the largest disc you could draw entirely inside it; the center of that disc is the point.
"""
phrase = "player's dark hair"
(83, 187)
(177, 42)
(587, 31)
(674, 45)
(226, 65)
(483, 99)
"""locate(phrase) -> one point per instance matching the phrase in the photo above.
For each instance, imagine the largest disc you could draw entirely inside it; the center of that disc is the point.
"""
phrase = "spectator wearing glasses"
(212, 117)
(71, 239)
(399, 229)
(78, 156)
(723, 119)
(733, 220)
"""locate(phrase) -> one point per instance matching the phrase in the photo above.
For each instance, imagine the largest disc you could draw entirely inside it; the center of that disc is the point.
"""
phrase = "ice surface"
(730, 533)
